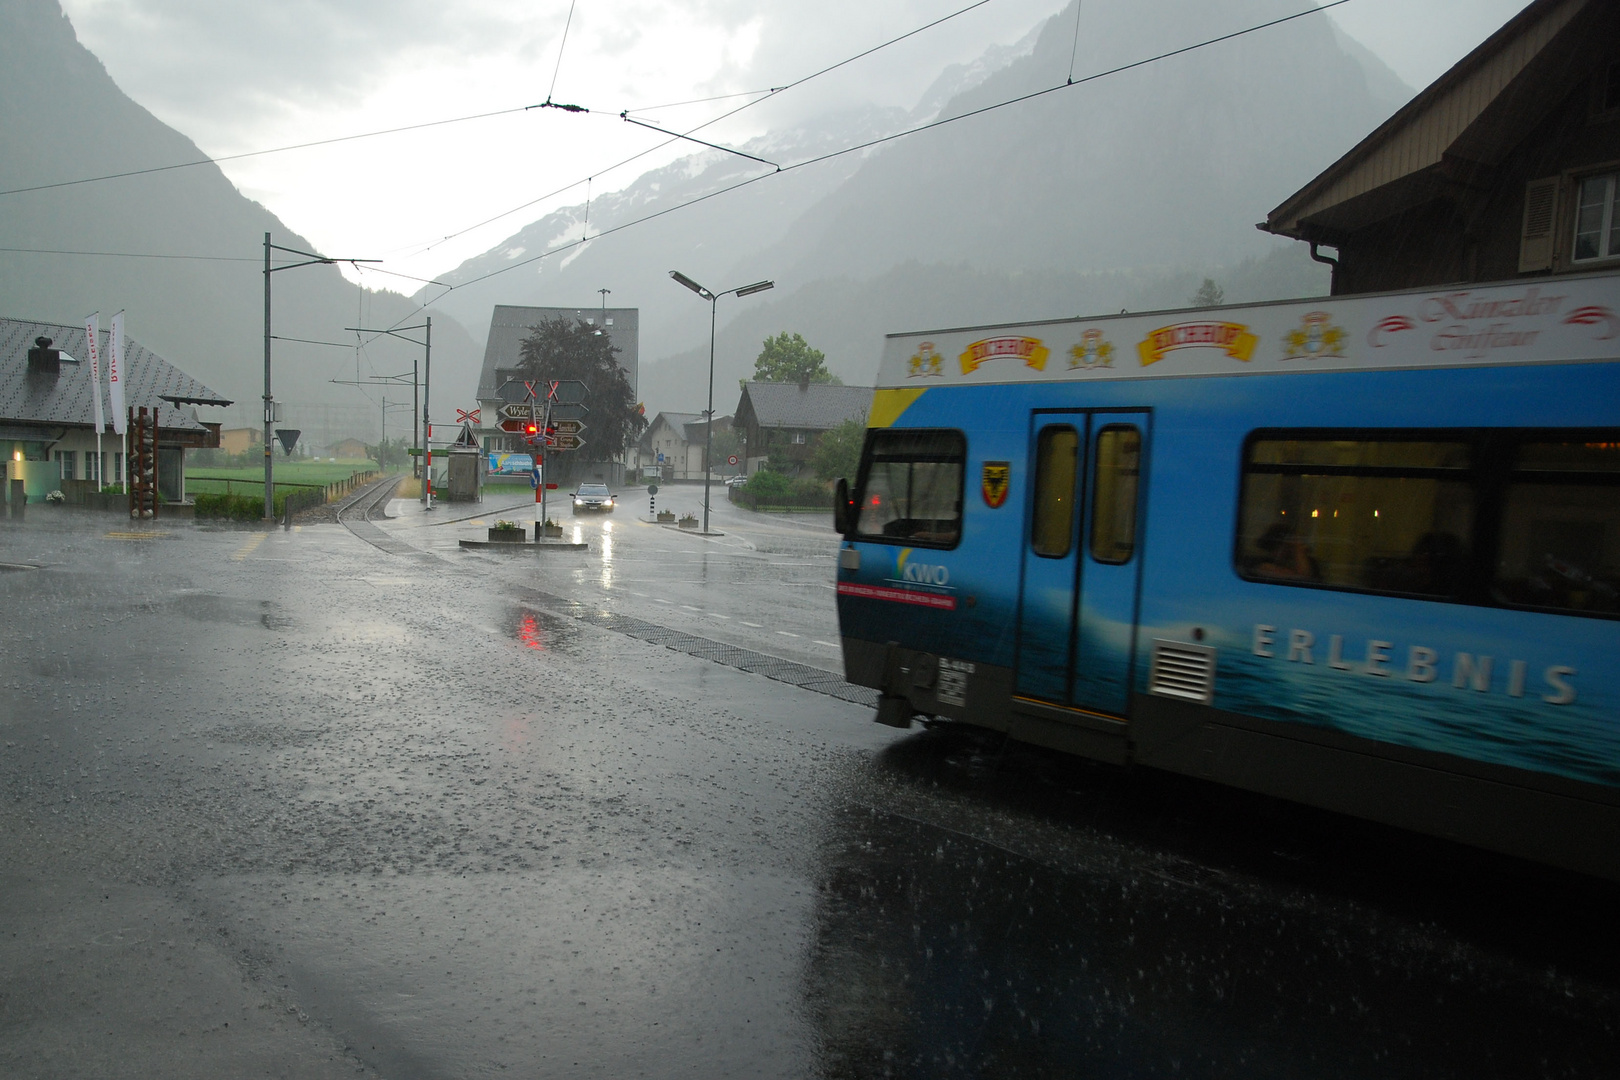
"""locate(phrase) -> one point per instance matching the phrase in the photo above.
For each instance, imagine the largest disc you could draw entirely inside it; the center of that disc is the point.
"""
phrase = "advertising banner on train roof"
(1539, 321)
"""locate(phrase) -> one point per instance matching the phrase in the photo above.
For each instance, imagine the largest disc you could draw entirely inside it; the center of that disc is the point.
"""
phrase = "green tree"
(1209, 294)
(561, 349)
(789, 358)
(838, 453)
(391, 452)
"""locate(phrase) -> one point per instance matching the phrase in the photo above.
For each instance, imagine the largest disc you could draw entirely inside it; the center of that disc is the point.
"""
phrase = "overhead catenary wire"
(675, 137)
(929, 126)
(831, 155)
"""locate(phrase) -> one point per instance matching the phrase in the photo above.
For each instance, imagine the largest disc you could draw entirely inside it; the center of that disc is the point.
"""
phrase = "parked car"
(736, 481)
(594, 497)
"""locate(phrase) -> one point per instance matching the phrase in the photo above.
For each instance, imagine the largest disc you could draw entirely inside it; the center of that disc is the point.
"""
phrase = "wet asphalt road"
(286, 804)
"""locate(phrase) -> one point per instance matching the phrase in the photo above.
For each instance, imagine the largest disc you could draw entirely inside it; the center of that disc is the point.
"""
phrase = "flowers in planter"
(508, 526)
(55, 498)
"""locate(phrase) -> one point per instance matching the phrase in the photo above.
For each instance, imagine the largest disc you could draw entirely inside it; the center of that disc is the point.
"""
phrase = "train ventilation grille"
(1182, 671)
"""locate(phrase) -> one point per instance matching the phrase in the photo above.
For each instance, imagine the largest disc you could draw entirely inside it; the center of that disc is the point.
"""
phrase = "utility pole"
(311, 259)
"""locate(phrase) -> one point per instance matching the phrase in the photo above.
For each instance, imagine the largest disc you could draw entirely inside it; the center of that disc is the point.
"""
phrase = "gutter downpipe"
(1333, 264)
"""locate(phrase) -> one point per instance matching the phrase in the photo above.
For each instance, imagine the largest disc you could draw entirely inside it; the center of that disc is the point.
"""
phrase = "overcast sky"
(242, 75)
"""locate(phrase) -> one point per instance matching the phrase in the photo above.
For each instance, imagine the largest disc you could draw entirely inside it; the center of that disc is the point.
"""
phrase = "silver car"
(593, 497)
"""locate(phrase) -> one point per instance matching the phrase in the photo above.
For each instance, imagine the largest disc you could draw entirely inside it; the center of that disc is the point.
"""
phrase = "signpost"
(652, 501)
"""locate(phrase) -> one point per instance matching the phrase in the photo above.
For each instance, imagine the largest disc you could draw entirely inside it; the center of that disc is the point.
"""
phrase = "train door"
(1077, 609)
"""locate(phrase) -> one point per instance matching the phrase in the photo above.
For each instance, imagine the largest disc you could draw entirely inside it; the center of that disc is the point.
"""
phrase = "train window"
(1560, 537)
(1113, 500)
(1377, 514)
(913, 488)
(1057, 457)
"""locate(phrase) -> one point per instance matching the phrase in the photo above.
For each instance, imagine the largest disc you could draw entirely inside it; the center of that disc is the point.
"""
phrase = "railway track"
(358, 511)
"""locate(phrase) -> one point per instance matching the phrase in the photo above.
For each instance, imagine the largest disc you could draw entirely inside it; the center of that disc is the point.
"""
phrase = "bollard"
(19, 499)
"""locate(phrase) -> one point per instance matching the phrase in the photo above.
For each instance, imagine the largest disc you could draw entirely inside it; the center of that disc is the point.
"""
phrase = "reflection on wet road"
(288, 803)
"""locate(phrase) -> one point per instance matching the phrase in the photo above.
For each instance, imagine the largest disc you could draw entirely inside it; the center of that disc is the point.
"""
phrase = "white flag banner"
(92, 333)
(115, 374)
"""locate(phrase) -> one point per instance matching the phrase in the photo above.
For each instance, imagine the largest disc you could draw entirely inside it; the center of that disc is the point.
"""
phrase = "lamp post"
(310, 259)
(708, 428)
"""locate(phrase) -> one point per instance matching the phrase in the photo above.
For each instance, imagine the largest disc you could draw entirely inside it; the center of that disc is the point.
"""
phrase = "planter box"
(688, 523)
(508, 536)
(666, 517)
(548, 532)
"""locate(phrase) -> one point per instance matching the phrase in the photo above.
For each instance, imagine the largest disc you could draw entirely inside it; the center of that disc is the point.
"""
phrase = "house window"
(1597, 226)
(798, 438)
(66, 462)
(92, 466)
(118, 467)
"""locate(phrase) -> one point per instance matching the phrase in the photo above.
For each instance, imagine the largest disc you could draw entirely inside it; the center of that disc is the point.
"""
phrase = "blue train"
(1362, 553)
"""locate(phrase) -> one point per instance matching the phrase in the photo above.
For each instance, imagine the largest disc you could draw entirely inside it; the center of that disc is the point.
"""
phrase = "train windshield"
(913, 488)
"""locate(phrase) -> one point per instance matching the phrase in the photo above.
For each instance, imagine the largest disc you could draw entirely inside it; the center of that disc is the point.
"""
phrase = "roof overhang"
(1445, 138)
(178, 400)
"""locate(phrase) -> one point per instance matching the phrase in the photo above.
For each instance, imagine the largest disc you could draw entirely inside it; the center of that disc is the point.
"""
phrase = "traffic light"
(551, 434)
(531, 433)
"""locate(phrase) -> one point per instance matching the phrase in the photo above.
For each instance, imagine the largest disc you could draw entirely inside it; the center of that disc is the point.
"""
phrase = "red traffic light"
(531, 429)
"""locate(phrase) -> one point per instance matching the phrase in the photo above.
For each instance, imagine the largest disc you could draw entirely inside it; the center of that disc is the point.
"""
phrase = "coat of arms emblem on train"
(996, 476)
(926, 361)
(1316, 337)
(1092, 351)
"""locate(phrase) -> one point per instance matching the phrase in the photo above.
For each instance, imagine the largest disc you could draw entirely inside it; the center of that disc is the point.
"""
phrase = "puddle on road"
(543, 632)
(206, 607)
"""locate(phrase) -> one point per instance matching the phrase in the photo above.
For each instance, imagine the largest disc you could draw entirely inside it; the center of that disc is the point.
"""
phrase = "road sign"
(652, 489)
(732, 460)
(520, 410)
(660, 457)
(567, 392)
(464, 416)
(569, 412)
(534, 479)
(288, 437)
(515, 424)
(569, 427)
(569, 442)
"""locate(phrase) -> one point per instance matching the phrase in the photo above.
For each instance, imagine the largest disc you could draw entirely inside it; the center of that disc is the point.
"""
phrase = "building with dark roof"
(1507, 166)
(47, 412)
(791, 417)
(674, 443)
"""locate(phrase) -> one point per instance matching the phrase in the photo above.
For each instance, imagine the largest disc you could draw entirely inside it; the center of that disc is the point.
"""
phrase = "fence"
(288, 503)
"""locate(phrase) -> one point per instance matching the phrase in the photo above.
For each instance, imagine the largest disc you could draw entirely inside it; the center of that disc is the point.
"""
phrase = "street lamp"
(708, 427)
(311, 259)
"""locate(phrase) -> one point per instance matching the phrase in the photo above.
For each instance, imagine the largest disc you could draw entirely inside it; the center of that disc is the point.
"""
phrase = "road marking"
(784, 633)
(689, 607)
(717, 615)
(476, 521)
(755, 625)
(249, 547)
(640, 594)
(829, 644)
(660, 600)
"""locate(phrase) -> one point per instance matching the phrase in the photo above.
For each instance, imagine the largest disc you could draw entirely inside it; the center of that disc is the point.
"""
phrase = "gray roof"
(509, 325)
(688, 425)
(813, 407)
(67, 402)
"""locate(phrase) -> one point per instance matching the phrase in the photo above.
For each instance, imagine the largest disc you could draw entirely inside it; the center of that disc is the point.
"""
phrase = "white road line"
(784, 633)
(689, 607)
(829, 644)
(755, 625)
(717, 615)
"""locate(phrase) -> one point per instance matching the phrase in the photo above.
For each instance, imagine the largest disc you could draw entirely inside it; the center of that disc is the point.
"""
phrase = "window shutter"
(1540, 212)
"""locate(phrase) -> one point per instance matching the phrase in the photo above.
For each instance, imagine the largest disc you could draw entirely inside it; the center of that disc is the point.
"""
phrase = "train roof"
(1569, 318)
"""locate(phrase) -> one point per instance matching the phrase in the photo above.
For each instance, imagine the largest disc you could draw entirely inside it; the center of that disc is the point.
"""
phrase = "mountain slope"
(1109, 193)
(61, 118)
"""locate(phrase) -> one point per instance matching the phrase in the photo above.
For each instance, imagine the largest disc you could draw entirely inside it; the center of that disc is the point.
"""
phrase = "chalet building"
(673, 444)
(791, 417)
(47, 412)
(1508, 166)
(348, 450)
